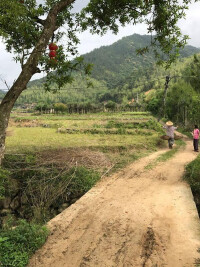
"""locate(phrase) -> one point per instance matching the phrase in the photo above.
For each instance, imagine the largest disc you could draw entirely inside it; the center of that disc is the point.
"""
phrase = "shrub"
(47, 191)
(82, 180)
(192, 175)
(43, 188)
(152, 125)
(18, 244)
(4, 181)
(121, 130)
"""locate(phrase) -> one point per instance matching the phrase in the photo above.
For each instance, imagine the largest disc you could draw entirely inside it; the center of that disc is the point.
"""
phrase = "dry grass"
(71, 157)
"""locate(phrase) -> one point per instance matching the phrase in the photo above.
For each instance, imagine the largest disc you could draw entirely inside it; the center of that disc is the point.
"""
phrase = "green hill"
(77, 92)
(118, 75)
(115, 63)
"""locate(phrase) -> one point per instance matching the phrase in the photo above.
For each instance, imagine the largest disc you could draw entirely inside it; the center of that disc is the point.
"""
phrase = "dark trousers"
(196, 143)
(170, 142)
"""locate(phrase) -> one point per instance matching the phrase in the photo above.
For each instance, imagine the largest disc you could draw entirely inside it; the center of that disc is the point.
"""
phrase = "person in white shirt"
(170, 132)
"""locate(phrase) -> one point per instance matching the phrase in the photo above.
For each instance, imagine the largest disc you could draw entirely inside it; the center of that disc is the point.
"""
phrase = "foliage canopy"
(24, 22)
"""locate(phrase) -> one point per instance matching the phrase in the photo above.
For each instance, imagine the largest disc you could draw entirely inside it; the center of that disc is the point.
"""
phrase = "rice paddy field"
(121, 137)
(57, 158)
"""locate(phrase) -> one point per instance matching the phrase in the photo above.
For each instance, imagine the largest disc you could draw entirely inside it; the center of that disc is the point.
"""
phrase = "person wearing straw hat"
(170, 132)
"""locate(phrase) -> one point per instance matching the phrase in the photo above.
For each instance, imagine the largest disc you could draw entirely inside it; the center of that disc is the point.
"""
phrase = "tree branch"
(4, 81)
(40, 21)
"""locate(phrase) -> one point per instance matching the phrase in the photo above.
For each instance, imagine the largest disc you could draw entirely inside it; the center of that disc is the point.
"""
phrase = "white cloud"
(9, 70)
(191, 25)
(90, 42)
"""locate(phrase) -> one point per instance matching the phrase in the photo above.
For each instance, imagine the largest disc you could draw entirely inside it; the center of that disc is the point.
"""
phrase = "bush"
(18, 244)
(82, 180)
(47, 191)
(192, 175)
(152, 125)
(4, 181)
(44, 188)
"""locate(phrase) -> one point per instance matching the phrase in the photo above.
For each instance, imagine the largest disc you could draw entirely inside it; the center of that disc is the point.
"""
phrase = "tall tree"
(27, 28)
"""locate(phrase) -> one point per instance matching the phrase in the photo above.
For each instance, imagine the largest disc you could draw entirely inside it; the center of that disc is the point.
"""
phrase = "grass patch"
(192, 176)
(167, 155)
(18, 244)
(150, 124)
(88, 116)
(124, 159)
(186, 131)
(37, 139)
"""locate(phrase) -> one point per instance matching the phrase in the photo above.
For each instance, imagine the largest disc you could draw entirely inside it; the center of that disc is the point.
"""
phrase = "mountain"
(119, 74)
(118, 61)
(77, 92)
(115, 63)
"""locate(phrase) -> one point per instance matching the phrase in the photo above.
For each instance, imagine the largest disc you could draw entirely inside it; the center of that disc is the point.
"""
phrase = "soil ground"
(136, 217)
(71, 157)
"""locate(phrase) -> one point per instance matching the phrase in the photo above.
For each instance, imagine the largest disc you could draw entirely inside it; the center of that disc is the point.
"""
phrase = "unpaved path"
(137, 217)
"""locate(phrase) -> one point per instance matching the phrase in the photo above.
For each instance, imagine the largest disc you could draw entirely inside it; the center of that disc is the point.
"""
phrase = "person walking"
(195, 134)
(170, 132)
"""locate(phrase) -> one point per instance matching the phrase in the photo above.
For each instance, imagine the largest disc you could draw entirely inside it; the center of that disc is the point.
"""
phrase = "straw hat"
(169, 123)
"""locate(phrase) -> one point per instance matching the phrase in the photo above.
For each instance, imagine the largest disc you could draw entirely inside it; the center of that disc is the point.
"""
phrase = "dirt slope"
(137, 217)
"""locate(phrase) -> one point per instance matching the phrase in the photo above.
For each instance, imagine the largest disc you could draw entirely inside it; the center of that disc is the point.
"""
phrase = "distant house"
(28, 106)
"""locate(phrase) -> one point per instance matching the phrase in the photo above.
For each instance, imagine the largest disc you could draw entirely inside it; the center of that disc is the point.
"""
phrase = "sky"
(9, 70)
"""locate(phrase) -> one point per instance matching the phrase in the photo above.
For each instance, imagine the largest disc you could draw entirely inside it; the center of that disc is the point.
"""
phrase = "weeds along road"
(137, 217)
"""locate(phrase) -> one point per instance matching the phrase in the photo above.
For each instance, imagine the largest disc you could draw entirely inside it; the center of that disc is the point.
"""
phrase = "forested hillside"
(122, 77)
(77, 92)
(183, 97)
(118, 62)
(115, 63)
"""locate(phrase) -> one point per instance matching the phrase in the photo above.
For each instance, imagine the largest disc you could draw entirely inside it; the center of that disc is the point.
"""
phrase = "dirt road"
(137, 217)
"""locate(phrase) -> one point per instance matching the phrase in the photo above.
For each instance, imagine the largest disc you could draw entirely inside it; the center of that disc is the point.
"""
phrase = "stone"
(14, 187)
(65, 205)
(73, 200)
(6, 203)
(5, 212)
(60, 210)
(15, 203)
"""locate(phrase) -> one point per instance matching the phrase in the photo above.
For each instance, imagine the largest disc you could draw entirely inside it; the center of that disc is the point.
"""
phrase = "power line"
(102, 86)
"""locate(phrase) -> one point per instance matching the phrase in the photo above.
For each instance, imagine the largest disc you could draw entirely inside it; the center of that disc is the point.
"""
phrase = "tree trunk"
(29, 69)
(9, 101)
(163, 109)
(3, 125)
